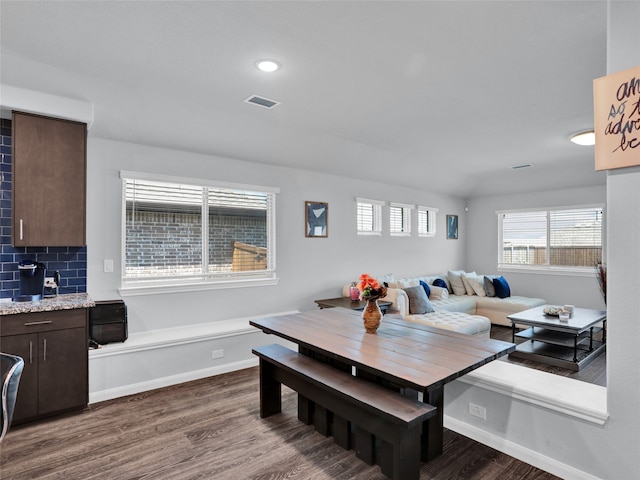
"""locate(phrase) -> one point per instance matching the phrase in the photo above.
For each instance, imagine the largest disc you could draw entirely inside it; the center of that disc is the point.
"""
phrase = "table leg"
(432, 430)
(575, 348)
(513, 332)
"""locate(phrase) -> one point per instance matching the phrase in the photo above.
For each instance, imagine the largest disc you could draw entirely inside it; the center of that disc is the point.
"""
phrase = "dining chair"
(11, 368)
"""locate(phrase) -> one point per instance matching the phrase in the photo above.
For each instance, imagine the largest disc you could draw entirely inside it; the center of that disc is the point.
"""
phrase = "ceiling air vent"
(262, 101)
(524, 165)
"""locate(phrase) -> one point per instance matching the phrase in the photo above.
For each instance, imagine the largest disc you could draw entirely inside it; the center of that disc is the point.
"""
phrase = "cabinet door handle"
(45, 349)
(31, 352)
(21, 229)
(44, 322)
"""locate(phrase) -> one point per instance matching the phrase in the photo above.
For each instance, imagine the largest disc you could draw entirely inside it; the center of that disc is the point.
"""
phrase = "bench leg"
(270, 391)
(305, 410)
(341, 432)
(364, 446)
(322, 420)
(406, 454)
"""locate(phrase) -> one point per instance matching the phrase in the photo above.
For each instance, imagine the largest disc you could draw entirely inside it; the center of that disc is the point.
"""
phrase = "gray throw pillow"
(488, 285)
(418, 301)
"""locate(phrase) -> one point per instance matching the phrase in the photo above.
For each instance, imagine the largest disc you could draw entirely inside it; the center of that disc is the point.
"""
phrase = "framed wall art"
(316, 216)
(452, 227)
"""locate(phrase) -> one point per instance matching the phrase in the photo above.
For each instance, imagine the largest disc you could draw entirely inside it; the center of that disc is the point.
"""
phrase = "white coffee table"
(568, 344)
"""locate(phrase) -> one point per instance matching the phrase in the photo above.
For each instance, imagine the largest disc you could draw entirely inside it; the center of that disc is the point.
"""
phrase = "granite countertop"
(67, 301)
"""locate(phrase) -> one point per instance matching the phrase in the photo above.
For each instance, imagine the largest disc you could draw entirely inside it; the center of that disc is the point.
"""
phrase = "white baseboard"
(132, 389)
(567, 472)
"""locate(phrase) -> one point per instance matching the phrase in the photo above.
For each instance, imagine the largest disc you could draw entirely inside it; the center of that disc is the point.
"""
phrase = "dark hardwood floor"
(211, 429)
(595, 372)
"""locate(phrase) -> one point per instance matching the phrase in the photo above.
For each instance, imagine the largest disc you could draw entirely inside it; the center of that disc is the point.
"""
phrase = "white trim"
(402, 205)
(166, 339)
(200, 182)
(548, 270)
(551, 209)
(171, 337)
(372, 202)
(561, 394)
(523, 454)
(111, 393)
(31, 101)
(150, 289)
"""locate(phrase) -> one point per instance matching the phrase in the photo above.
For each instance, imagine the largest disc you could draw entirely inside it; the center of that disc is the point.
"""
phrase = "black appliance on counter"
(31, 281)
(108, 322)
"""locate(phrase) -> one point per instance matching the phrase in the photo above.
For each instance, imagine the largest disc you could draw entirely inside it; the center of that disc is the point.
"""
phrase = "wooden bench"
(337, 402)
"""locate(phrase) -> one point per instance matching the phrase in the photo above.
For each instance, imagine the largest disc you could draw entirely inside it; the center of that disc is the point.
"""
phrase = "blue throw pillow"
(502, 287)
(425, 285)
(438, 282)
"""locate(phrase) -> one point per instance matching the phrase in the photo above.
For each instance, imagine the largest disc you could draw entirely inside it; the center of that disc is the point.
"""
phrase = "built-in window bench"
(163, 357)
(529, 414)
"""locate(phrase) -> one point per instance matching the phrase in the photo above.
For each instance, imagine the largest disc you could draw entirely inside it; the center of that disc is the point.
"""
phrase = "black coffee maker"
(31, 281)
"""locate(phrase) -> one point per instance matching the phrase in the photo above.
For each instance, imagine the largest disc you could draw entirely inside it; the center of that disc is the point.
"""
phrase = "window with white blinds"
(427, 221)
(368, 216)
(177, 231)
(400, 219)
(557, 237)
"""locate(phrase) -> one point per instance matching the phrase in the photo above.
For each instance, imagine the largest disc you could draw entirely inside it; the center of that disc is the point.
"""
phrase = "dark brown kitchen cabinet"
(49, 181)
(54, 348)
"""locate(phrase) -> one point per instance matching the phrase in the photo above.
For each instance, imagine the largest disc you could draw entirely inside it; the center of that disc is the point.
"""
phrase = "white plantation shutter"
(427, 221)
(369, 216)
(400, 219)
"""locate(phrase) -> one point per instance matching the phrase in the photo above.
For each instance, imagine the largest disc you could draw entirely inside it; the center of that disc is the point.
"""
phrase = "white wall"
(592, 451)
(482, 246)
(308, 268)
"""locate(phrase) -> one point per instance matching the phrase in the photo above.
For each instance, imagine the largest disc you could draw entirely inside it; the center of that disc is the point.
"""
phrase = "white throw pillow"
(407, 283)
(476, 282)
(455, 280)
(467, 286)
(438, 293)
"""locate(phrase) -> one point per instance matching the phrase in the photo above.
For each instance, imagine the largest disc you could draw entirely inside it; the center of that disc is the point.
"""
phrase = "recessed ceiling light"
(267, 65)
(584, 138)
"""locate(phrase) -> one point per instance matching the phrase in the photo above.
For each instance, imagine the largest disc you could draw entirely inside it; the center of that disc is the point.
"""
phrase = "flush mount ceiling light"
(587, 138)
(267, 65)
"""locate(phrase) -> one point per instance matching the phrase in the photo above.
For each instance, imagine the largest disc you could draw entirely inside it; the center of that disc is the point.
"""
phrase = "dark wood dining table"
(414, 359)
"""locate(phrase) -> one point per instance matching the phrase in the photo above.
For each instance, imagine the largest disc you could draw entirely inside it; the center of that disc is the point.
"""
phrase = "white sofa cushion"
(456, 303)
(454, 321)
(497, 309)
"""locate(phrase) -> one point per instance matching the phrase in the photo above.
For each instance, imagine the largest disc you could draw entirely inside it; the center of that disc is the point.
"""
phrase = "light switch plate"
(108, 265)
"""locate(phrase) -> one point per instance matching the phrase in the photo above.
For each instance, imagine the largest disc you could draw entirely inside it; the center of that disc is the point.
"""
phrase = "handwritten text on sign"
(617, 119)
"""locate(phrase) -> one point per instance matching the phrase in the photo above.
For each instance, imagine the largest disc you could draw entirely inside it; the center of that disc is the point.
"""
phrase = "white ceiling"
(441, 95)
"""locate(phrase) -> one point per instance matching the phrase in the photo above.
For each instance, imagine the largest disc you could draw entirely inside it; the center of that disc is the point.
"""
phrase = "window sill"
(147, 289)
(547, 270)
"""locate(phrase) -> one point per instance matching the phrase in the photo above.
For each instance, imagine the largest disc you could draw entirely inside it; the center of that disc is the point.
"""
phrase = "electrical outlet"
(477, 411)
(217, 354)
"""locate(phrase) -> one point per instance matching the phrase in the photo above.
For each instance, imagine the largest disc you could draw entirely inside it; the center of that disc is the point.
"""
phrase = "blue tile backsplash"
(71, 262)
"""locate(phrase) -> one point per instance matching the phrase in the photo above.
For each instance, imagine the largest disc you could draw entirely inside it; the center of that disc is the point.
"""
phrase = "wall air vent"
(524, 165)
(261, 101)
